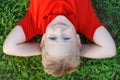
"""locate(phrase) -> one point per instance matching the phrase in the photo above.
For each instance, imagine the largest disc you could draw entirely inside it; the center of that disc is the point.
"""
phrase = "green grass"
(30, 68)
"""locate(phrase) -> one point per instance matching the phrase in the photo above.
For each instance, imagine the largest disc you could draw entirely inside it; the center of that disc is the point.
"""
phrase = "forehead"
(60, 47)
(59, 51)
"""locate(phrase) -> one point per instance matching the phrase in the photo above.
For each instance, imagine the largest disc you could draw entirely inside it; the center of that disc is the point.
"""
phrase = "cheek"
(48, 32)
(49, 45)
(71, 31)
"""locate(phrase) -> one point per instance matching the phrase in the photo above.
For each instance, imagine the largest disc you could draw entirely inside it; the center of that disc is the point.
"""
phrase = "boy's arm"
(15, 44)
(104, 47)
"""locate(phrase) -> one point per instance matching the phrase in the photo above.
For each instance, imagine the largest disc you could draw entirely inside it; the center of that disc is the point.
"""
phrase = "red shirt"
(41, 12)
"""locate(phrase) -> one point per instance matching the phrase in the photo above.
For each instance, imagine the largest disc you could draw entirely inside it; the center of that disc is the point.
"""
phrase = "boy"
(60, 47)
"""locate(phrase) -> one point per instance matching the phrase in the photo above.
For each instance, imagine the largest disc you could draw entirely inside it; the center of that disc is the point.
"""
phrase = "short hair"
(61, 67)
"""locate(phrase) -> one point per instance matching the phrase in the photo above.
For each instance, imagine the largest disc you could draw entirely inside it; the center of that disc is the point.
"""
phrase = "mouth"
(60, 23)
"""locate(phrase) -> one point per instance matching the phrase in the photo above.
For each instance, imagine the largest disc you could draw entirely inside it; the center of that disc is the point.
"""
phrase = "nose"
(59, 30)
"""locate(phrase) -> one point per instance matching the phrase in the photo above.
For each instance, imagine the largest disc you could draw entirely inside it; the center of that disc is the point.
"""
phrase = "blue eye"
(66, 38)
(52, 38)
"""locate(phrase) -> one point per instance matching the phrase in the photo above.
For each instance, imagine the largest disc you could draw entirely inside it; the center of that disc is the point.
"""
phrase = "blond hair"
(60, 67)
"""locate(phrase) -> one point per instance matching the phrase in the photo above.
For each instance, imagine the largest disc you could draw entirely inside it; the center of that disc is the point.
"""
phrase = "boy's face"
(60, 37)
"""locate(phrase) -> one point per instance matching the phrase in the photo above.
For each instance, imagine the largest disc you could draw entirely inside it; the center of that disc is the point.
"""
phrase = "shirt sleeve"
(90, 20)
(93, 22)
(28, 26)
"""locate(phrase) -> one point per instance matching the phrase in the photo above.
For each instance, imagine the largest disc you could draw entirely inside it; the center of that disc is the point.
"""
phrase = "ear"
(78, 40)
(42, 40)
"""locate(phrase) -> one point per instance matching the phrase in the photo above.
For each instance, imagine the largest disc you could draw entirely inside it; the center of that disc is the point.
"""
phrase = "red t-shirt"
(41, 12)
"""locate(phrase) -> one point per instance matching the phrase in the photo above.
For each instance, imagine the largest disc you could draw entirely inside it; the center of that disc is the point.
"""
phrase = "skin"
(60, 28)
(60, 38)
(104, 46)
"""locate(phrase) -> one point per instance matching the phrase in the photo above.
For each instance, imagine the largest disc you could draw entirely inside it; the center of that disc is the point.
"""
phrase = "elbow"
(7, 50)
(112, 52)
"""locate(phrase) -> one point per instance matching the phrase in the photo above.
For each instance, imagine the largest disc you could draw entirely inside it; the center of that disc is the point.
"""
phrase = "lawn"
(30, 68)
